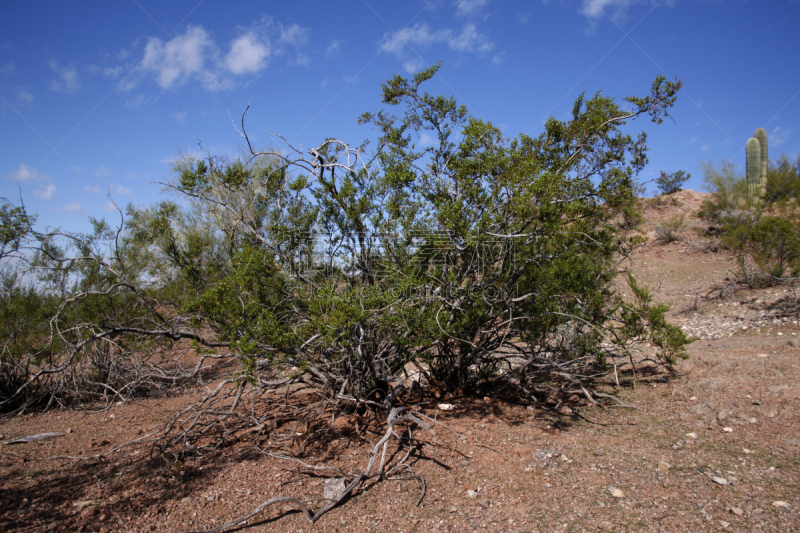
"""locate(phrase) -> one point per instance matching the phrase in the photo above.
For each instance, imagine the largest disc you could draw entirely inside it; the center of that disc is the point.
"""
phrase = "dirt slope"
(717, 448)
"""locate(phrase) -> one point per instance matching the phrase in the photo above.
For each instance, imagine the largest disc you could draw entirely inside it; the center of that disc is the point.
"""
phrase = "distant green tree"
(672, 182)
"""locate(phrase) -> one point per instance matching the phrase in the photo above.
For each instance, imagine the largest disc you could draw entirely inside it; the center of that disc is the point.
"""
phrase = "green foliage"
(670, 183)
(489, 259)
(783, 180)
(765, 235)
(668, 231)
(15, 228)
(642, 318)
(729, 189)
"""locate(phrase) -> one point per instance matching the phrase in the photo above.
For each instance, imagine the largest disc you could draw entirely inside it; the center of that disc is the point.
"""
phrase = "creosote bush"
(484, 261)
(764, 235)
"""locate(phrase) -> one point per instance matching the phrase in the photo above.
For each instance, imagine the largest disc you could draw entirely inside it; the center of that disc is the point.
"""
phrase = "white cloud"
(67, 78)
(180, 116)
(247, 54)
(616, 9)
(26, 173)
(421, 35)
(92, 189)
(295, 35)
(469, 7)
(469, 40)
(138, 101)
(25, 96)
(175, 61)
(196, 56)
(113, 73)
(74, 208)
(779, 135)
(333, 49)
(498, 58)
(46, 193)
(121, 190)
(102, 171)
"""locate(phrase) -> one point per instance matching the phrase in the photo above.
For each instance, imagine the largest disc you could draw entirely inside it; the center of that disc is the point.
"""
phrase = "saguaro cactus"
(753, 154)
(761, 135)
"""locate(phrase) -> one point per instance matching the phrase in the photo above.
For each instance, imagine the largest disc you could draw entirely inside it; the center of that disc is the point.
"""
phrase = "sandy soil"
(715, 449)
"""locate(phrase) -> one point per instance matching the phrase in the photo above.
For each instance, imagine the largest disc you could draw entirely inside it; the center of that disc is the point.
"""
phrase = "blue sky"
(101, 96)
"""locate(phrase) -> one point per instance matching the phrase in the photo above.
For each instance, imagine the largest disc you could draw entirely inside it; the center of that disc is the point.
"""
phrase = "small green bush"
(669, 230)
(671, 183)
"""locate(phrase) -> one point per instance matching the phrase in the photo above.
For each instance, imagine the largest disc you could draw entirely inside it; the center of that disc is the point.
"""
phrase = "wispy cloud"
(139, 100)
(102, 171)
(46, 193)
(180, 116)
(74, 208)
(24, 95)
(25, 174)
(195, 55)
(468, 39)
(469, 7)
(616, 9)
(333, 49)
(67, 80)
(779, 135)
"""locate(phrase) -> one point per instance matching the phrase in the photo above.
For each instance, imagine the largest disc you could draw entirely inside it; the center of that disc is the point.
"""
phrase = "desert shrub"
(669, 230)
(487, 260)
(765, 235)
(669, 183)
(783, 180)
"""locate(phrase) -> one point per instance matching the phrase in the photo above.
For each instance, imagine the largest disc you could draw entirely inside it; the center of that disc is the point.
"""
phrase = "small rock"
(719, 480)
(723, 523)
(737, 511)
(756, 402)
(565, 458)
(605, 526)
(83, 503)
(446, 406)
(745, 450)
(692, 435)
(780, 504)
(69, 430)
(453, 509)
(615, 492)
(465, 463)
(333, 488)
(664, 467)
(693, 398)
(727, 430)
(752, 420)
(472, 494)
(762, 355)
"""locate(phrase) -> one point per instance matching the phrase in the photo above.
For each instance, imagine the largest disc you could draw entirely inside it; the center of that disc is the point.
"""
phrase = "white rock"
(615, 492)
(472, 494)
(780, 504)
(719, 480)
(446, 406)
(727, 430)
(691, 435)
(333, 488)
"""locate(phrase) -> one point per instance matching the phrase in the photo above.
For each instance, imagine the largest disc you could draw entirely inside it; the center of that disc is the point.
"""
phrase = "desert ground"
(715, 447)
